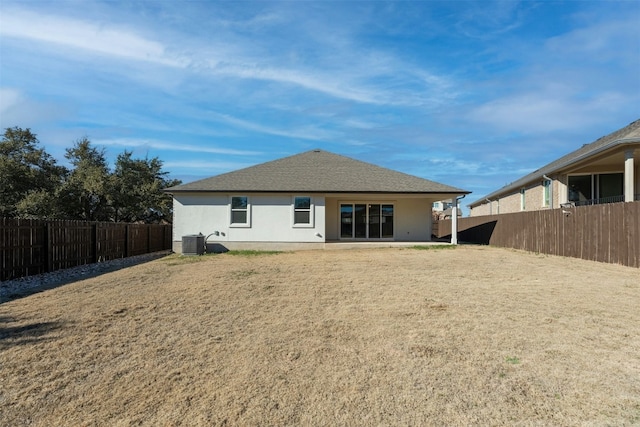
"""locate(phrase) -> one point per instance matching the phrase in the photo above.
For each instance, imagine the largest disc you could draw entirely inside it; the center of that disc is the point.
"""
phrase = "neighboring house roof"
(627, 135)
(316, 171)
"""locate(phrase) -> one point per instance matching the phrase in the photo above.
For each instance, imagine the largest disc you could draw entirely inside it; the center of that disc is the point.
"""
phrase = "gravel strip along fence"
(24, 286)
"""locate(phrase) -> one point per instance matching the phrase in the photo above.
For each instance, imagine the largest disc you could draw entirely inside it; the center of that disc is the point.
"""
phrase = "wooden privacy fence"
(30, 247)
(606, 233)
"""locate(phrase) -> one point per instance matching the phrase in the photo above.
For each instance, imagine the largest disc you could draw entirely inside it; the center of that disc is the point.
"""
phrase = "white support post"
(454, 222)
(629, 190)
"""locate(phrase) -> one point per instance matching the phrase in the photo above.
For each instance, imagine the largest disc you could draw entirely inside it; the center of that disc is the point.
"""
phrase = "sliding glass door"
(596, 189)
(366, 221)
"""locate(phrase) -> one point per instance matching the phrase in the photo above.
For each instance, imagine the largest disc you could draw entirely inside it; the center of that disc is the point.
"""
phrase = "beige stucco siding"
(414, 220)
(333, 219)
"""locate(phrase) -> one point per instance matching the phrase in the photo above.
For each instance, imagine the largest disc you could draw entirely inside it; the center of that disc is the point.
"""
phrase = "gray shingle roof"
(626, 135)
(316, 171)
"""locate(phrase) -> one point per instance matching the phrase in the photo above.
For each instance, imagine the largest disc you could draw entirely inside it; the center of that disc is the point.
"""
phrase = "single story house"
(304, 201)
(604, 171)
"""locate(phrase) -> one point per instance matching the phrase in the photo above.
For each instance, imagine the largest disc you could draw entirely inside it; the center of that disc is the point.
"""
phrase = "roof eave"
(453, 191)
(545, 170)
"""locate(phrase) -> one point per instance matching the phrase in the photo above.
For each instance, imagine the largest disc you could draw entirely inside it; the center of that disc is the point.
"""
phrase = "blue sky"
(470, 94)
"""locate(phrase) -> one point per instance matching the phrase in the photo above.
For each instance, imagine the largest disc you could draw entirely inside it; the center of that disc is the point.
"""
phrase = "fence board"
(111, 239)
(605, 233)
(29, 247)
(138, 239)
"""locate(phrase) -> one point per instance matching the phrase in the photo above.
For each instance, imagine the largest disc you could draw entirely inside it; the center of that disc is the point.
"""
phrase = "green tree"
(32, 185)
(27, 175)
(40, 204)
(137, 190)
(85, 193)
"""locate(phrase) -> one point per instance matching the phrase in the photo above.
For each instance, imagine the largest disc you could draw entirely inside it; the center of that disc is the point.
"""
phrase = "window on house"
(302, 211)
(611, 187)
(522, 199)
(580, 188)
(366, 221)
(597, 188)
(240, 210)
(546, 194)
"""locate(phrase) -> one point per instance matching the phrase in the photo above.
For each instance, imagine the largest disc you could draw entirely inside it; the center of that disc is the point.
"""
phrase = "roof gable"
(316, 171)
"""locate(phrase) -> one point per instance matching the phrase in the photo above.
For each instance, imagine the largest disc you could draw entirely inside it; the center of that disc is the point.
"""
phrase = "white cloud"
(88, 36)
(18, 110)
(548, 109)
(457, 167)
(205, 166)
(574, 80)
(309, 133)
(370, 77)
(489, 19)
(161, 145)
(329, 85)
(9, 98)
(598, 40)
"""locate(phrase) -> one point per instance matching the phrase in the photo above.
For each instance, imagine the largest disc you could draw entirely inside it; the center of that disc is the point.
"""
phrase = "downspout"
(550, 190)
(454, 220)
(490, 207)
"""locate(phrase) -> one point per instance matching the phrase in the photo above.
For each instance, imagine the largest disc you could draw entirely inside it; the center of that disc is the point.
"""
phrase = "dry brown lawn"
(466, 336)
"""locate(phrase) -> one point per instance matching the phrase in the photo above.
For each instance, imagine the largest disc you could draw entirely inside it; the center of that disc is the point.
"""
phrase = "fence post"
(48, 247)
(126, 241)
(94, 242)
(148, 238)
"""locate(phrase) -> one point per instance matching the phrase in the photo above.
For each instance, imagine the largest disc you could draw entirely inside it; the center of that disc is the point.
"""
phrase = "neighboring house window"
(596, 188)
(302, 211)
(580, 189)
(546, 194)
(522, 199)
(240, 211)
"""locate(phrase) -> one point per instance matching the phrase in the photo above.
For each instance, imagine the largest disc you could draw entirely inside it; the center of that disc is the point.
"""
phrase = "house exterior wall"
(271, 219)
(616, 157)
(512, 202)
(414, 220)
(487, 208)
(333, 218)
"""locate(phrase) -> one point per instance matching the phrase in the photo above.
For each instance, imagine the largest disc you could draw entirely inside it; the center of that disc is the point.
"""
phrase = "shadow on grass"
(30, 285)
(25, 334)
(478, 235)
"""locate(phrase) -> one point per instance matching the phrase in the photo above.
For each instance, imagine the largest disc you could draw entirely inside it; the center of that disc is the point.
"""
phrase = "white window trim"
(240, 225)
(312, 209)
(546, 192)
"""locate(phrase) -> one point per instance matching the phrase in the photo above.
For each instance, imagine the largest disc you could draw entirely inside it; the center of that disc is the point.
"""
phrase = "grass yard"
(471, 336)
